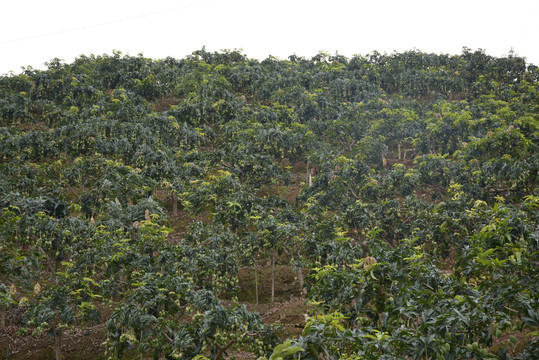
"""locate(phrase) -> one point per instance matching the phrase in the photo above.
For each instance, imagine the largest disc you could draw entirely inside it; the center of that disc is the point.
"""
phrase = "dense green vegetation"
(416, 223)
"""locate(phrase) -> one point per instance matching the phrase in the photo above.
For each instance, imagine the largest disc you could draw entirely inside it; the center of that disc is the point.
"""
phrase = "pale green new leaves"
(285, 349)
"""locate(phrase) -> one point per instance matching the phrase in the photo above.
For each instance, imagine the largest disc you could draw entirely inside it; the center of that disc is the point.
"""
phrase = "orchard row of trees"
(415, 232)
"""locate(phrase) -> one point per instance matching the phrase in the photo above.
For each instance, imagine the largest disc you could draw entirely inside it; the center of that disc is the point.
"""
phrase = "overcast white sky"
(33, 32)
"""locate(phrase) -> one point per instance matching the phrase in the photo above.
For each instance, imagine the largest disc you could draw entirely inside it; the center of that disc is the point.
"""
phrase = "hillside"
(216, 206)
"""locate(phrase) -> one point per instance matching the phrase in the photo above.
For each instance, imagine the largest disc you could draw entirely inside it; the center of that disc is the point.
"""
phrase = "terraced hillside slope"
(216, 206)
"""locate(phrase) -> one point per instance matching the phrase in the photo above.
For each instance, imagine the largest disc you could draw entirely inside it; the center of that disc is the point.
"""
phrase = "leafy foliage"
(404, 185)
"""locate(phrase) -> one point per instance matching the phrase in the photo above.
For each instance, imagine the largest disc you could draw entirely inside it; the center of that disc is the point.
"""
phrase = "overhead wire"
(82, 28)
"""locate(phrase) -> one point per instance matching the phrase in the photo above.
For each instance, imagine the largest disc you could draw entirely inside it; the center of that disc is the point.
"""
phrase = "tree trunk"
(301, 282)
(300, 279)
(47, 260)
(399, 151)
(273, 277)
(58, 343)
(256, 282)
(2, 318)
(174, 204)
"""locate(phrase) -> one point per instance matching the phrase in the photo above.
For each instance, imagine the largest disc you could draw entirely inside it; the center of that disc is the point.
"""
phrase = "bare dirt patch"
(164, 103)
